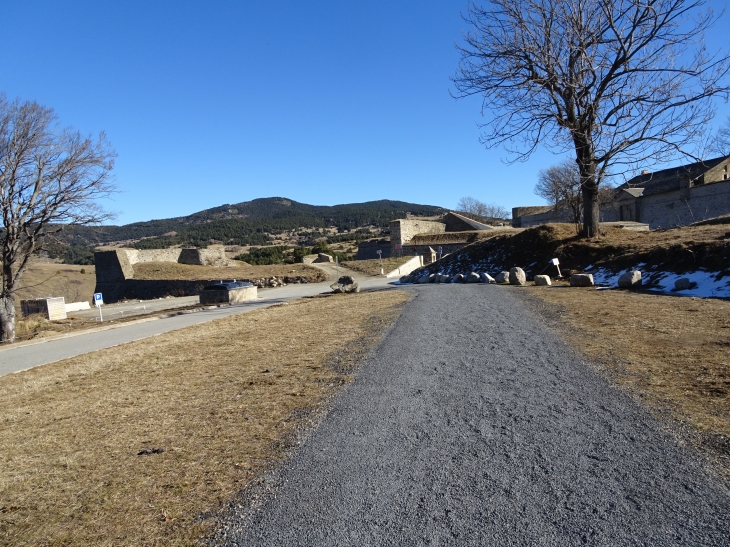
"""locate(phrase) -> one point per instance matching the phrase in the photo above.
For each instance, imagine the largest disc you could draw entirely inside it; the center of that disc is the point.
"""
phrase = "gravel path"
(473, 425)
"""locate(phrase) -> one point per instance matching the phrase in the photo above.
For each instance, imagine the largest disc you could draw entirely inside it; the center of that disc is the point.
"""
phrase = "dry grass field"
(135, 444)
(372, 267)
(173, 270)
(43, 279)
(672, 352)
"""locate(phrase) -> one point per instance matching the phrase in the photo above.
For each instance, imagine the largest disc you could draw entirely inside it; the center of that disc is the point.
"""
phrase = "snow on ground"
(707, 284)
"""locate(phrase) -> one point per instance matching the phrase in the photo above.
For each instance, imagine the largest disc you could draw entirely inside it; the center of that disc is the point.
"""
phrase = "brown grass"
(462, 237)
(219, 398)
(372, 267)
(674, 352)
(173, 270)
(43, 279)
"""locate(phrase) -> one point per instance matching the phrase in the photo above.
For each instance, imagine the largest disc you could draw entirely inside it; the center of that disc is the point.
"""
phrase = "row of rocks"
(278, 281)
(515, 276)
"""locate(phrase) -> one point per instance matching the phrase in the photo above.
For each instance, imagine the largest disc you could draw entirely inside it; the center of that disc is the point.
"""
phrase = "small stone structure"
(53, 308)
(229, 293)
(317, 259)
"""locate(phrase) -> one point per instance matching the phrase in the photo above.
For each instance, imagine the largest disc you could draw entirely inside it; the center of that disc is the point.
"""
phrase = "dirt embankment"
(701, 247)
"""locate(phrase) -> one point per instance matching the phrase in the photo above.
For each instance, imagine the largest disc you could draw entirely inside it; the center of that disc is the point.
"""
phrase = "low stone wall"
(232, 296)
(404, 269)
(366, 250)
(150, 289)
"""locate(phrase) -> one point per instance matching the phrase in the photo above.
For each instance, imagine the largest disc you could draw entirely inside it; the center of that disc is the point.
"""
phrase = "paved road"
(472, 425)
(20, 357)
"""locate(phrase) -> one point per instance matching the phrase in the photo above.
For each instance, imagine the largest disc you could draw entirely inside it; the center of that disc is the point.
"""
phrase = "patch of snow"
(708, 284)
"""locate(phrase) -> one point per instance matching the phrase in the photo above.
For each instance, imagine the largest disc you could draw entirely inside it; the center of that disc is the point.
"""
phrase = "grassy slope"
(677, 250)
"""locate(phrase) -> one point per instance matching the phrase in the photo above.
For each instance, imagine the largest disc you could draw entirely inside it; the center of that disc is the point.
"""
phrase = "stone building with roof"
(672, 197)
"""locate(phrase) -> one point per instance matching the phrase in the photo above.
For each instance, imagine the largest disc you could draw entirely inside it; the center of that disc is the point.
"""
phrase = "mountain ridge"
(249, 222)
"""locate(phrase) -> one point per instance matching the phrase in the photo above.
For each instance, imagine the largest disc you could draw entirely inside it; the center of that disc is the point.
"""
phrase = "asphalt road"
(471, 424)
(21, 356)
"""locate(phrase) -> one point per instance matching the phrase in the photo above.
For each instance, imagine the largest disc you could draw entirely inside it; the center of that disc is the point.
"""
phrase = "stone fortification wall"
(403, 230)
(115, 272)
(112, 266)
(153, 255)
(680, 207)
(204, 257)
(672, 209)
(366, 250)
(543, 217)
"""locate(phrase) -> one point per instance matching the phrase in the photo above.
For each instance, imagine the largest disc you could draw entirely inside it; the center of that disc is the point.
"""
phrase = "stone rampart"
(115, 272)
(367, 250)
(403, 230)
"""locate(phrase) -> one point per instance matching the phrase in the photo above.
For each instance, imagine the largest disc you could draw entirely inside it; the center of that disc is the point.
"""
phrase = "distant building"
(402, 232)
(662, 199)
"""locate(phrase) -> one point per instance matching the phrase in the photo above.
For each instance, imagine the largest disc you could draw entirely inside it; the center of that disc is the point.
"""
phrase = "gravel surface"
(471, 424)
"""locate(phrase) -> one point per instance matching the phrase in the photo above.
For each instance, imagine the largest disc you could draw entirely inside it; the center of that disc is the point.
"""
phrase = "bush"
(263, 256)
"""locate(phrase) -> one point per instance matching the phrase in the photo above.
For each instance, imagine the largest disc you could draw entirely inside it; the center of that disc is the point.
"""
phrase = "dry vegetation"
(372, 267)
(462, 237)
(220, 399)
(673, 352)
(43, 279)
(677, 250)
(243, 271)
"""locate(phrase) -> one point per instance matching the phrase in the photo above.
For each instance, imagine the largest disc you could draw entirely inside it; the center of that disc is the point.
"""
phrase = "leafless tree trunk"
(623, 84)
(49, 177)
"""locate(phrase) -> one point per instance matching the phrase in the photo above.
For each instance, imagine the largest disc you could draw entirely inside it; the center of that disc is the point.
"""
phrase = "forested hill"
(250, 222)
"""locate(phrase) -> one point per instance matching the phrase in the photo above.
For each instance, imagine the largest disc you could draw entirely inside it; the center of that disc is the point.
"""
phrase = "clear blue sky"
(223, 101)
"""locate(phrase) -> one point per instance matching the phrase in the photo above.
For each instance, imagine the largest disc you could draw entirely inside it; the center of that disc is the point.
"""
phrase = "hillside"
(701, 250)
(253, 222)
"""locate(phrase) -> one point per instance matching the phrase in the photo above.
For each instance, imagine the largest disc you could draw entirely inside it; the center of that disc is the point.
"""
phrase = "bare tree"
(560, 186)
(721, 143)
(473, 206)
(49, 177)
(619, 83)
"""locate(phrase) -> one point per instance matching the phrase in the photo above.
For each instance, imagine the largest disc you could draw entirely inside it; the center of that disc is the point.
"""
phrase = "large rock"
(345, 284)
(423, 278)
(502, 277)
(684, 283)
(630, 279)
(517, 276)
(472, 277)
(542, 280)
(432, 278)
(581, 280)
(486, 278)
(459, 278)
(406, 279)
(445, 278)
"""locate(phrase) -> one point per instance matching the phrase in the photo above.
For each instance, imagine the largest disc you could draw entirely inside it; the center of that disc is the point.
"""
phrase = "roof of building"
(635, 192)
(473, 223)
(668, 180)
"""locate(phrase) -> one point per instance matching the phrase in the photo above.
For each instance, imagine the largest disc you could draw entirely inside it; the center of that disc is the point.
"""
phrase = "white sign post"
(380, 256)
(98, 301)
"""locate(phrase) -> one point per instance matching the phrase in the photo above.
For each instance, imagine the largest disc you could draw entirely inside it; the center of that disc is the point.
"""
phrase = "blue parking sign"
(97, 299)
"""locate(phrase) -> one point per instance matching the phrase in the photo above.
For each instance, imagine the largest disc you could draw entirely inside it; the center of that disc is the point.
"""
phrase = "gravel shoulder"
(472, 424)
